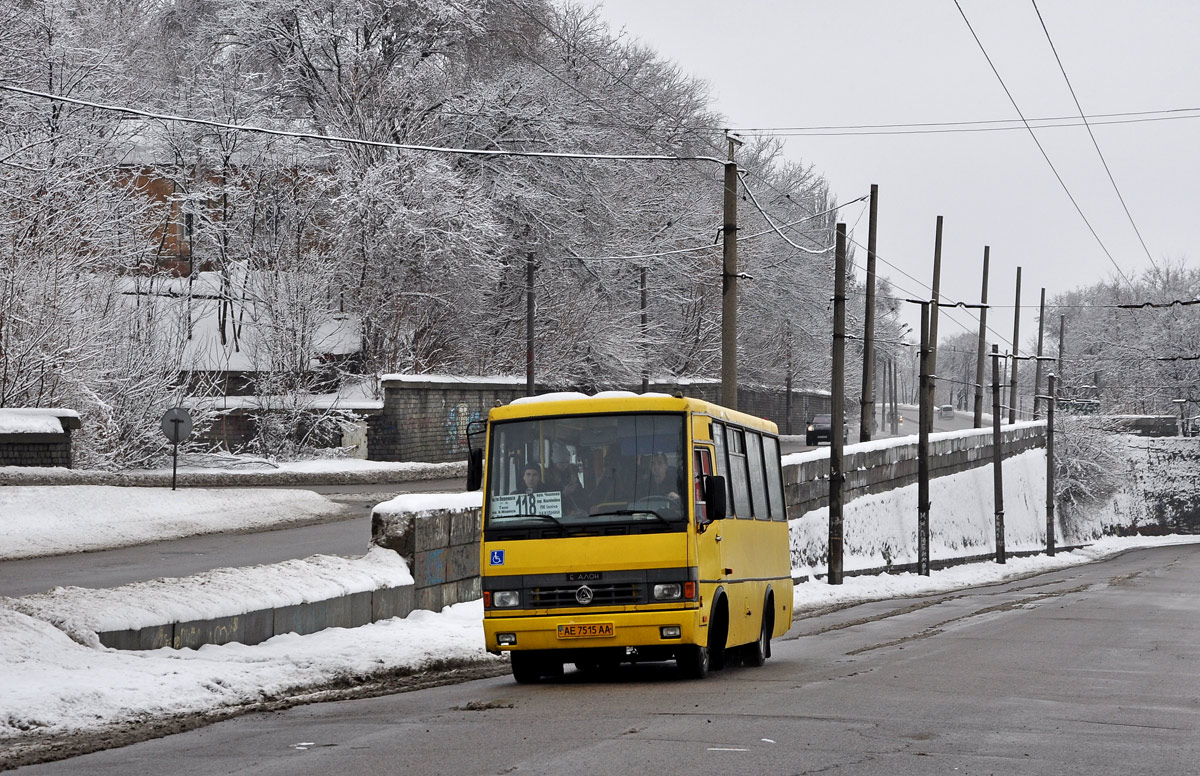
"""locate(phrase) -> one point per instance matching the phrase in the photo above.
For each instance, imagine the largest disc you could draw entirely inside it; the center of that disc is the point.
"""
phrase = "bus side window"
(739, 476)
(758, 485)
(722, 461)
(774, 478)
(701, 465)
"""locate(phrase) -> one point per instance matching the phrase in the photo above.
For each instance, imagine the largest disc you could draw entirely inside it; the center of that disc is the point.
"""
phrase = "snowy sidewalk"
(229, 471)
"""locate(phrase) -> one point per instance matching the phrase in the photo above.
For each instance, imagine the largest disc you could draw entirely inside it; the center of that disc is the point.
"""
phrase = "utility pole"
(837, 408)
(933, 320)
(1037, 369)
(529, 307)
(645, 333)
(1062, 344)
(997, 458)
(866, 413)
(729, 276)
(1051, 400)
(787, 380)
(1012, 389)
(895, 401)
(924, 424)
(980, 356)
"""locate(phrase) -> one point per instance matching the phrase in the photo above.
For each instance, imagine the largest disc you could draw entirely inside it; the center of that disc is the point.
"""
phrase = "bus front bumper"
(548, 631)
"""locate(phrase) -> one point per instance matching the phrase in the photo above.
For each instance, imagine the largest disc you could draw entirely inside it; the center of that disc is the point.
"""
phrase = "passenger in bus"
(531, 480)
(563, 476)
(599, 483)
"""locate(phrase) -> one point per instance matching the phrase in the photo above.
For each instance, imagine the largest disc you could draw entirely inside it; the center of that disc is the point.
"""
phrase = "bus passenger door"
(710, 559)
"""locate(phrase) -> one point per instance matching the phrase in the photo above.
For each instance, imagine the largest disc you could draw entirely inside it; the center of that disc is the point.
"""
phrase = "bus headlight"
(506, 599)
(670, 591)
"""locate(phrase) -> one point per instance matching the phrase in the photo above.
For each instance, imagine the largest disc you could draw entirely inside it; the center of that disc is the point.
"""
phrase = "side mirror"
(714, 496)
(474, 468)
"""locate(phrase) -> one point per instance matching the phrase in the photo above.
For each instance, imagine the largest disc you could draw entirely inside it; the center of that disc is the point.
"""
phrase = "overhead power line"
(1092, 135)
(359, 141)
(1037, 142)
(1172, 303)
(981, 125)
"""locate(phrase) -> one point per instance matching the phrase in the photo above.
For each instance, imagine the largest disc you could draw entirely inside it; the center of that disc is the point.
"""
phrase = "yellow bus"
(625, 528)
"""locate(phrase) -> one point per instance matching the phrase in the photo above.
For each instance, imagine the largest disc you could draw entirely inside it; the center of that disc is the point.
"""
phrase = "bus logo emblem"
(584, 595)
(497, 558)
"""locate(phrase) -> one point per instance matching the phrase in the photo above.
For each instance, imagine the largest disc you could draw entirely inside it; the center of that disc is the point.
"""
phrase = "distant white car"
(946, 412)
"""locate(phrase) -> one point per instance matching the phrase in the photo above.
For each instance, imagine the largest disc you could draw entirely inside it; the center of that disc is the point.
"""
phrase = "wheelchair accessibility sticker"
(497, 558)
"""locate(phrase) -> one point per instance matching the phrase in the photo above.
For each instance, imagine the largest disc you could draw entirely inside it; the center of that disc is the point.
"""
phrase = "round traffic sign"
(177, 425)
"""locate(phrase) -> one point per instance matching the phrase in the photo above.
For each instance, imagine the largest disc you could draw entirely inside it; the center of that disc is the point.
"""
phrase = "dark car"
(820, 429)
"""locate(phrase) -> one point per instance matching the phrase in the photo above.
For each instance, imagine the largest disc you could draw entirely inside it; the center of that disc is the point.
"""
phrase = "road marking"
(725, 749)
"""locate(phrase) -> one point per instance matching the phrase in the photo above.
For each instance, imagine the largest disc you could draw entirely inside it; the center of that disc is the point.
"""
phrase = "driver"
(663, 480)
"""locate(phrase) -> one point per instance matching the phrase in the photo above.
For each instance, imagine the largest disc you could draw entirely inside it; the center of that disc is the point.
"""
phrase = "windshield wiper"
(630, 512)
(551, 518)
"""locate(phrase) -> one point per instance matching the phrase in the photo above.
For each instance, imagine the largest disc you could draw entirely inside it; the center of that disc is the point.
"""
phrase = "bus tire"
(693, 661)
(756, 653)
(526, 667)
(718, 632)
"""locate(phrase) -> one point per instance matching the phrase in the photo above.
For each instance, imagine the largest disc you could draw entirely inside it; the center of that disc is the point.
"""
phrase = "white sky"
(803, 63)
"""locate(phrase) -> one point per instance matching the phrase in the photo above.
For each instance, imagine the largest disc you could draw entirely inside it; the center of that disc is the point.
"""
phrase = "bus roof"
(573, 403)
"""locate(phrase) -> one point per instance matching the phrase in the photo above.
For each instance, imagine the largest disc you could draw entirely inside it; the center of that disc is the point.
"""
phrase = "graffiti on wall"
(457, 420)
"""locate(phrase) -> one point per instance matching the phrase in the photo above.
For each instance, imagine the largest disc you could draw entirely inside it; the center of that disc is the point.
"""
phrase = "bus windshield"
(580, 471)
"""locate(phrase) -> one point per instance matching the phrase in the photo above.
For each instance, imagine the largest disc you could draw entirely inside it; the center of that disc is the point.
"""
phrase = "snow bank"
(427, 503)
(881, 529)
(54, 685)
(219, 593)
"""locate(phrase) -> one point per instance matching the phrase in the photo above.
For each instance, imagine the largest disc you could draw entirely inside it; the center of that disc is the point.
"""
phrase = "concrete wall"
(426, 418)
(255, 627)
(886, 466)
(442, 552)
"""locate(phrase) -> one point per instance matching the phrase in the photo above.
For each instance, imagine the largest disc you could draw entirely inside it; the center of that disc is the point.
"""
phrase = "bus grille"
(617, 594)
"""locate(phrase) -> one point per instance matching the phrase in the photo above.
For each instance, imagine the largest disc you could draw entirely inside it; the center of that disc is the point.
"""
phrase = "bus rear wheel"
(755, 653)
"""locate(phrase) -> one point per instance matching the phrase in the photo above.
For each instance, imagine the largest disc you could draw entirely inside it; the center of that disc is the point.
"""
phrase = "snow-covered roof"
(191, 312)
(34, 420)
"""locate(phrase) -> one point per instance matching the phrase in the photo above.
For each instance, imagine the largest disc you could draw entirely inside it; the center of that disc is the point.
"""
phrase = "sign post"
(177, 426)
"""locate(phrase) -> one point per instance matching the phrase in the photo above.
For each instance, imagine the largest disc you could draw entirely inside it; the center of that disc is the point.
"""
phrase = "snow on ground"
(226, 592)
(56, 684)
(53, 684)
(61, 519)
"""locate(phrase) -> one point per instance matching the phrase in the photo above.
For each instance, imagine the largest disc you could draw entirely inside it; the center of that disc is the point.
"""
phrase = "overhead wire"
(1092, 135)
(354, 141)
(952, 127)
(1042, 149)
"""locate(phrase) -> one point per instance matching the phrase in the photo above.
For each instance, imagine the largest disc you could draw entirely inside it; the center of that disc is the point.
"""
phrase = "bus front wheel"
(529, 667)
(693, 661)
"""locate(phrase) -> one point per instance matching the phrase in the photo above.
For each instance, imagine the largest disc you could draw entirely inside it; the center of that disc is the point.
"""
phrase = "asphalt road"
(347, 532)
(1091, 670)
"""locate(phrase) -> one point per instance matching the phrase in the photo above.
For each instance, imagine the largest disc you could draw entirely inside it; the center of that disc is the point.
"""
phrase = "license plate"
(591, 630)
